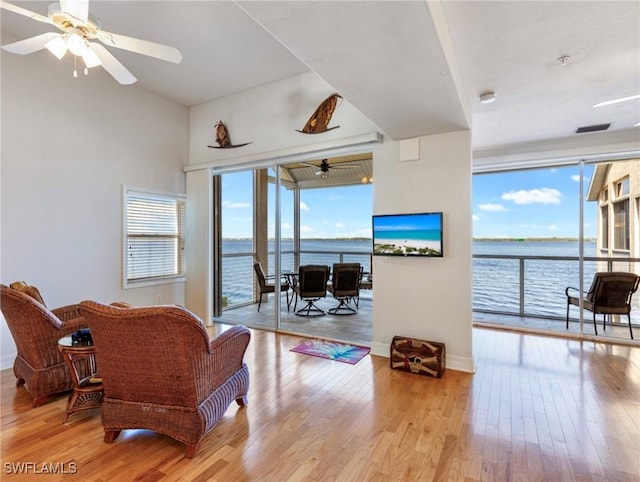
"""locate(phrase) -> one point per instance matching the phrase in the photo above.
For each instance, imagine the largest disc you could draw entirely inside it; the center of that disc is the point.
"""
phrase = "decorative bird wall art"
(319, 121)
(223, 139)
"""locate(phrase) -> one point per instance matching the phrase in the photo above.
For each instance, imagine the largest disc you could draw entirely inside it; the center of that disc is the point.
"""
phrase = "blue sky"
(340, 212)
(520, 204)
(536, 203)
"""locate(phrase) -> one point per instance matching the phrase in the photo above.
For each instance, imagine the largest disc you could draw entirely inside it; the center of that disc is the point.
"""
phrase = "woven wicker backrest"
(313, 280)
(34, 328)
(148, 354)
(257, 267)
(346, 279)
(613, 290)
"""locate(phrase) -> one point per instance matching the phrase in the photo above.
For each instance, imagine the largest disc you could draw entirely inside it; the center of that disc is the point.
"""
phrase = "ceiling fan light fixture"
(57, 46)
(76, 44)
(91, 59)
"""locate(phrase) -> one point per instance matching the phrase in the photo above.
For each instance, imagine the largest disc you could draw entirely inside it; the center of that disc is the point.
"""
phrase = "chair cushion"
(28, 290)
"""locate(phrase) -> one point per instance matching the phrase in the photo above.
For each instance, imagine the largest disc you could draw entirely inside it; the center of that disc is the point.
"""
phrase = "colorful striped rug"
(332, 350)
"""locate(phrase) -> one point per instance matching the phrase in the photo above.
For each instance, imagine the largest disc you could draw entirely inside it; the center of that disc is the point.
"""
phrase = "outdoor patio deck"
(358, 329)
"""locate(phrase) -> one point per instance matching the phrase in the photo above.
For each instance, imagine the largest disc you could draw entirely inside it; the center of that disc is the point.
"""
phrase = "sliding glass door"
(282, 217)
(542, 231)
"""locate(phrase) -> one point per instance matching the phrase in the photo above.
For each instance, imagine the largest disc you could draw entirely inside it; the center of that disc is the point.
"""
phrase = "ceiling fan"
(78, 28)
(323, 169)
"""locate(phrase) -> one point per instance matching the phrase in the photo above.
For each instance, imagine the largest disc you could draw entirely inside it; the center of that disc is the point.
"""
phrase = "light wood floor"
(537, 409)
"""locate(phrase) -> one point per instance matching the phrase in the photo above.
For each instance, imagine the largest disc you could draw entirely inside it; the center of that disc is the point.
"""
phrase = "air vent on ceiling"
(599, 127)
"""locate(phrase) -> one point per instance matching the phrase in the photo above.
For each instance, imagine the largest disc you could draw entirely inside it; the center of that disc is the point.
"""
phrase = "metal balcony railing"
(516, 285)
(534, 286)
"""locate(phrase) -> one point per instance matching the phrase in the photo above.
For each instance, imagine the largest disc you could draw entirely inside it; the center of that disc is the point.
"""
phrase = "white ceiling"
(413, 68)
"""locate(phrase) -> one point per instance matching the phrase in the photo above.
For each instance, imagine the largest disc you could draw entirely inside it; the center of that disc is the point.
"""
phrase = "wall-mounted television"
(408, 235)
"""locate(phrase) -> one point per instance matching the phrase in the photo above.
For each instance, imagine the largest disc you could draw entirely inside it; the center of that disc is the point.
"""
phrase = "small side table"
(87, 386)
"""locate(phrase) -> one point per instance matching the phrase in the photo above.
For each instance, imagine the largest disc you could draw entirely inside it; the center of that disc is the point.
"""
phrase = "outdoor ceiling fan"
(323, 169)
(78, 28)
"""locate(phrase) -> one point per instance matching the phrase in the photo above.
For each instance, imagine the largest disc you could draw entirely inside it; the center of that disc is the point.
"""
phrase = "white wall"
(424, 298)
(427, 298)
(268, 117)
(68, 146)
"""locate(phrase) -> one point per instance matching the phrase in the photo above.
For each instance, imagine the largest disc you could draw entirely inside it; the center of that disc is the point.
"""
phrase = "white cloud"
(306, 229)
(339, 225)
(575, 178)
(545, 195)
(492, 207)
(552, 227)
(235, 205)
(476, 217)
(303, 206)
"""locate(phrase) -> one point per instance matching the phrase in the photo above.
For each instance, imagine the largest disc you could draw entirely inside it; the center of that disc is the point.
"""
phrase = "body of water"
(496, 282)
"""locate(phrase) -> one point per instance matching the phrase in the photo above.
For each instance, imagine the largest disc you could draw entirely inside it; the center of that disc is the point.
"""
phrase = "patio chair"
(312, 286)
(267, 285)
(345, 282)
(162, 371)
(609, 294)
(35, 329)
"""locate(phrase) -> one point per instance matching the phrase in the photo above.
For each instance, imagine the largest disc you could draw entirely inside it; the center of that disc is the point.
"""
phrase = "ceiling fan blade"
(25, 12)
(144, 47)
(30, 45)
(112, 65)
(78, 9)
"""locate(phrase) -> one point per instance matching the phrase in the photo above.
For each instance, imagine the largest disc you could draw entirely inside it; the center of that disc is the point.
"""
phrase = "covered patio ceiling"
(341, 171)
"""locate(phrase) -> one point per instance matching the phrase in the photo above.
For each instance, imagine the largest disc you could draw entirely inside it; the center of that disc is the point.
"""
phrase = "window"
(154, 237)
(621, 225)
(622, 187)
(604, 216)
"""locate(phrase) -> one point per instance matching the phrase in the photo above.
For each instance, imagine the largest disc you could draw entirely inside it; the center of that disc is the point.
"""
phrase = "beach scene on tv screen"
(408, 235)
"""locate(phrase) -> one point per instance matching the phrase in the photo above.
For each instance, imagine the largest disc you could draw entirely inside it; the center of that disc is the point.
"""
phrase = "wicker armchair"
(36, 331)
(161, 371)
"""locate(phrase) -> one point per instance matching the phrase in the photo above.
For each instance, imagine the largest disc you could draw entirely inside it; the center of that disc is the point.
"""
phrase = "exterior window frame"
(621, 230)
(179, 275)
(604, 229)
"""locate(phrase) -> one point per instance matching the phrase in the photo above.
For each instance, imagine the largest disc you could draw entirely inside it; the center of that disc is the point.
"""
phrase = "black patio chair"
(267, 284)
(609, 294)
(312, 286)
(345, 287)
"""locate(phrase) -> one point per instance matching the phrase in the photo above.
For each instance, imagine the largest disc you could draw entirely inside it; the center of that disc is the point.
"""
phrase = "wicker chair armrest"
(68, 312)
(223, 359)
(566, 292)
(71, 326)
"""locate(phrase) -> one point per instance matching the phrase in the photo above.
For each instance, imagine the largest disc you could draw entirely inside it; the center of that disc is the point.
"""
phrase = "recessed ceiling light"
(615, 101)
(487, 97)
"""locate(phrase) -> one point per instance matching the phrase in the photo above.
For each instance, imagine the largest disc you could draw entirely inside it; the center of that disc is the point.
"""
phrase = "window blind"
(155, 236)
